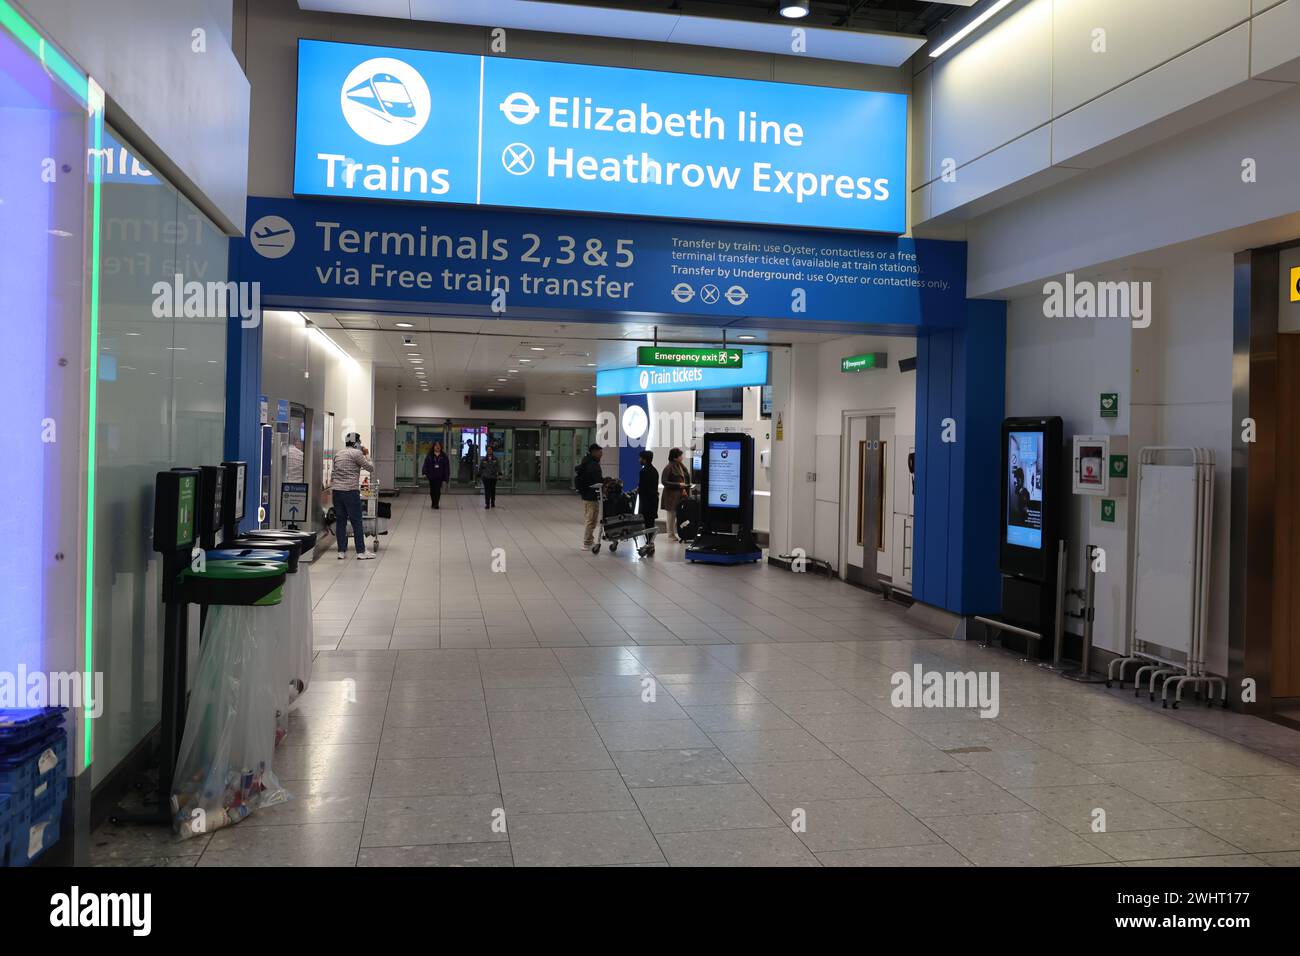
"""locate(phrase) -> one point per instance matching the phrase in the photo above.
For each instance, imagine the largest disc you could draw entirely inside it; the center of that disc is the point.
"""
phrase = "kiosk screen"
(724, 474)
(1025, 489)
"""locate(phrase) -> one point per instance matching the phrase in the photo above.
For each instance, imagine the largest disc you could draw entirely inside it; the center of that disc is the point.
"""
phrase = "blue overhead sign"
(424, 126)
(641, 379)
(393, 257)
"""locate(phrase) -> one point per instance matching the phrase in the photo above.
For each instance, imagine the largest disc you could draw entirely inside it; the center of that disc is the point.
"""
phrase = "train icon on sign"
(385, 94)
(386, 101)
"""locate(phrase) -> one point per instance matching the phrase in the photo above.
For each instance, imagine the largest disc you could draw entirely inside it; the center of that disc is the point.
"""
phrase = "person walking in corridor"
(677, 482)
(346, 488)
(437, 468)
(588, 479)
(488, 471)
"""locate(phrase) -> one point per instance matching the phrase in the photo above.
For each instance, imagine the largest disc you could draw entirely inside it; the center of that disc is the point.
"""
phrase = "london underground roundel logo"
(385, 101)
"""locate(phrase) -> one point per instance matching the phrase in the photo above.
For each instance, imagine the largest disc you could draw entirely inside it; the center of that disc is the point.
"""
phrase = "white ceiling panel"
(853, 46)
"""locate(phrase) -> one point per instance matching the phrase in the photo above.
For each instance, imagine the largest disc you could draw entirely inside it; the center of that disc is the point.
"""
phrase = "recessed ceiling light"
(537, 348)
(512, 371)
(525, 360)
(503, 380)
(591, 365)
(133, 333)
(491, 389)
(405, 325)
(794, 9)
(746, 338)
(416, 361)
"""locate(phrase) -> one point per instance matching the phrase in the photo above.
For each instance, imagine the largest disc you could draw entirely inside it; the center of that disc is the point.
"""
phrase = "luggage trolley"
(374, 520)
(619, 522)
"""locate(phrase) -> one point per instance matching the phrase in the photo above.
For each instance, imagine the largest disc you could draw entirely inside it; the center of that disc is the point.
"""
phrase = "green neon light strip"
(92, 428)
(54, 62)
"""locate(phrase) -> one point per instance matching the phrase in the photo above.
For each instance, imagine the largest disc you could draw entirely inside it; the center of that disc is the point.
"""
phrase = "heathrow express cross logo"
(385, 101)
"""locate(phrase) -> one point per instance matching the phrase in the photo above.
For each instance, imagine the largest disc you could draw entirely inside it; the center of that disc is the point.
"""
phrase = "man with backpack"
(587, 475)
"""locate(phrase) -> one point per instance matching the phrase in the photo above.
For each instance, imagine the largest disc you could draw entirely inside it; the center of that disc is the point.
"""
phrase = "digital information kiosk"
(1033, 491)
(726, 479)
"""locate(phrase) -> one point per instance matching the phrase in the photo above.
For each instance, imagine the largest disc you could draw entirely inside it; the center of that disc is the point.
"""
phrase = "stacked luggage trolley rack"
(619, 522)
(1171, 575)
(33, 782)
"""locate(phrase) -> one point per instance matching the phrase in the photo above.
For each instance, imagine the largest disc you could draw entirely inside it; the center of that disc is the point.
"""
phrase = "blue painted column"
(243, 390)
(961, 375)
(629, 448)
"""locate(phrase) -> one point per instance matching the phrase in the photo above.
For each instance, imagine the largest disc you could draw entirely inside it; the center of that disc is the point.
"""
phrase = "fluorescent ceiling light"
(794, 9)
(405, 325)
(746, 338)
(969, 28)
(538, 348)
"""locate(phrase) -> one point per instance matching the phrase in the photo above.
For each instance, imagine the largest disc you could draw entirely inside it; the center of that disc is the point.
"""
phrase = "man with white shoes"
(346, 488)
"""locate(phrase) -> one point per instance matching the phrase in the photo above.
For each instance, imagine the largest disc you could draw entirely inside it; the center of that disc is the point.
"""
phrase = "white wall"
(334, 384)
(1037, 95)
(1175, 385)
(810, 393)
(794, 452)
(880, 390)
(186, 112)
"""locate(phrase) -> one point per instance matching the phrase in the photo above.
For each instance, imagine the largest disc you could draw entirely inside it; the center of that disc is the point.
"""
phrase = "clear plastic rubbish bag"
(301, 640)
(223, 772)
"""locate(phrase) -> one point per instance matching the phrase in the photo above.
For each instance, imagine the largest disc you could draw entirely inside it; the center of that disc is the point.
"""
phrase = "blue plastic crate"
(19, 728)
(49, 794)
(38, 764)
(33, 835)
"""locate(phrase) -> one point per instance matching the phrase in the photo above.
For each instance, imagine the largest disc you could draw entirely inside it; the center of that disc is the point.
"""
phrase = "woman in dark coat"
(437, 468)
(647, 490)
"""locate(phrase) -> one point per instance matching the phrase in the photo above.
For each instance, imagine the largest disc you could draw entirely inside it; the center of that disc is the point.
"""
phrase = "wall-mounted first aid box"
(1100, 465)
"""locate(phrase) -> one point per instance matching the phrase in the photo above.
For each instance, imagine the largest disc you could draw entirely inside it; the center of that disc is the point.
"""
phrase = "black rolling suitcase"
(688, 518)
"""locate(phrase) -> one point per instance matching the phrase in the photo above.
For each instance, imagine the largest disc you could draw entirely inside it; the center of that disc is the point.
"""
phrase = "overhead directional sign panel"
(690, 357)
(636, 380)
(425, 126)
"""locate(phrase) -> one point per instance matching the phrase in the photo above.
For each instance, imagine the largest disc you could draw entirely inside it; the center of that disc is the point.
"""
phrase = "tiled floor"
(461, 716)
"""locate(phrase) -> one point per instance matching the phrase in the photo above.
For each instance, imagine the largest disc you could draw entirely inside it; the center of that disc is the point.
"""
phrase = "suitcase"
(688, 518)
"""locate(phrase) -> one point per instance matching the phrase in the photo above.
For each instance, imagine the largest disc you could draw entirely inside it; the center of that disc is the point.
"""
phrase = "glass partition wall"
(533, 457)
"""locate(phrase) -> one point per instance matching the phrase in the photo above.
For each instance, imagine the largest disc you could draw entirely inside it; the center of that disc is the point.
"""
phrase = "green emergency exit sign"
(860, 363)
(689, 357)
